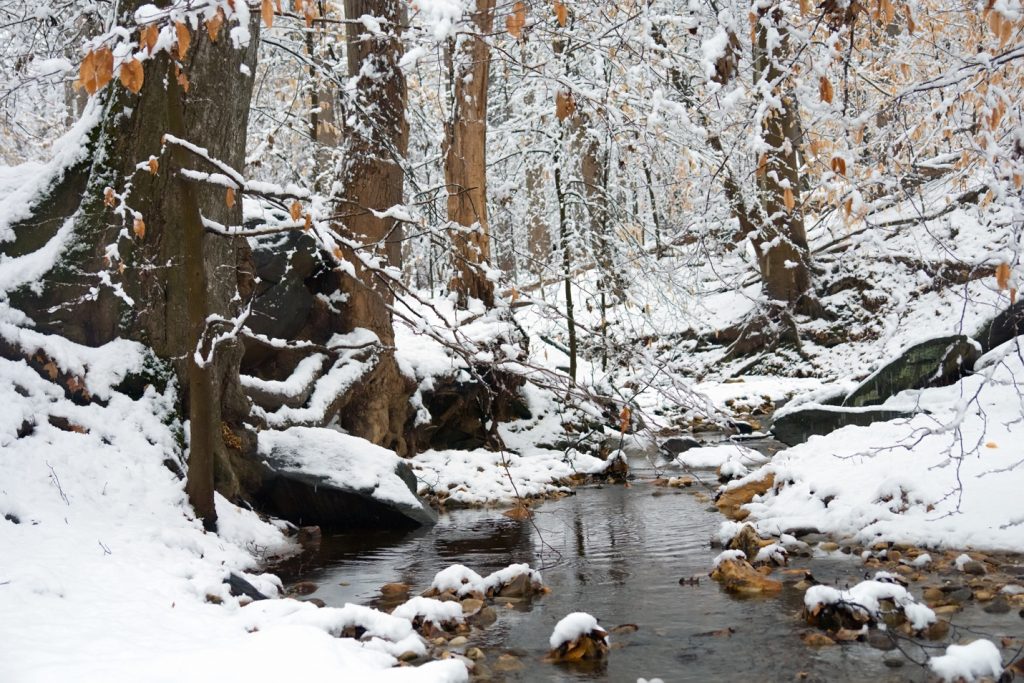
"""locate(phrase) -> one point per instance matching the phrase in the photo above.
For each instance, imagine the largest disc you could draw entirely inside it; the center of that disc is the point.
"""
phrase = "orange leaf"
(991, 444)
(565, 104)
(515, 22)
(182, 79)
(805, 7)
(139, 228)
(154, 165)
(624, 418)
(308, 222)
(109, 199)
(97, 69)
(267, 12)
(825, 89)
(214, 24)
(132, 75)
(295, 210)
(229, 197)
(184, 39)
(788, 199)
(561, 13)
(148, 37)
(839, 165)
(1003, 276)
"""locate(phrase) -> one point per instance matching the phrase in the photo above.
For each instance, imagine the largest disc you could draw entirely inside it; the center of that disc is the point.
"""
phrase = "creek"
(619, 553)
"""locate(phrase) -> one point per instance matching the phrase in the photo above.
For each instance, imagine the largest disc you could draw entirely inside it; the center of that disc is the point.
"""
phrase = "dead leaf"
(625, 418)
(565, 104)
(154, 165)
(515, 22)
(788, 199)
(214, 24)
(132, 75)
(1003, 276)
(229, 197)
(825, 89)
(561, 13)
(267, 13)
(139, 228)
(109, 198)
(182, 79)
(184, 39)
(295, 210)
(148, 37)
(96, 69)
(839, 165)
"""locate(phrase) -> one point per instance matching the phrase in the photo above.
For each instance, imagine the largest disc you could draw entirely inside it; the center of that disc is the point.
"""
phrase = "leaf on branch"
(309, 12)
(109, 199)
(139, 228)
(181, 78)
(624, 419)
(184, 39)
(788, 199)
(839, 165)
(337, 254)
(229, 197)
(561, 13)
(132, 75)
(565, 104)
(148, 37)
(825, 90)
(1003, 276)
(267, 13)
(308, 223)
(295, 210)
(214, 24)
(762, 165)
(154, 165)
(515, 22)
(805, 7)
(96, 70)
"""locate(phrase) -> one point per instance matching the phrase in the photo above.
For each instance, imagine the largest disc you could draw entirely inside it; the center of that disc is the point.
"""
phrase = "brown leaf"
(109, 199)
(1003, 276)
(139, 228)
(805, 7)
(154, 165)
(515, 22)
(308, 222)
(561, 13)
(148, 37)
(214, 24)
(295, 210)
(825, 89)
(624, 418)
(565, 104)
(788, 199)
(184, 39)
(267, 12)
(182, 79)
(839, 165)
(229, 197)
(132, 75)
(96, 70)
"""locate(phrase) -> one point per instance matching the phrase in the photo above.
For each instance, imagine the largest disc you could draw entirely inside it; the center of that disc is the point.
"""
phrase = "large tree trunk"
(91, 299)
(376, 138)
(780, 240)
(465, 166)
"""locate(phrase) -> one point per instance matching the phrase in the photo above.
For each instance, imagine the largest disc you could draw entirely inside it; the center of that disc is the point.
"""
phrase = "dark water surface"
(619, 554)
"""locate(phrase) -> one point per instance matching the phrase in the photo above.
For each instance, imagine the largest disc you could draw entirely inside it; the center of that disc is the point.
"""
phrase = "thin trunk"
(538, 237)
(563, 236)
(466, 160)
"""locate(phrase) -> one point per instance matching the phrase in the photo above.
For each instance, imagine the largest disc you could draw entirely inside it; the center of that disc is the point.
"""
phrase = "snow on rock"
(344, 460)
(731, 455)
(865, 598)
(459, 579)
(728, 555)
(968, 662)
(908, 480)
(573, 626)
(429, 609)
(463, 581)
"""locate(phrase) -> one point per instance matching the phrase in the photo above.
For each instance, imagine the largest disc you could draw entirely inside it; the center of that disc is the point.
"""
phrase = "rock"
(893, 662)
(472, 605)
(816, 639)
(316, 601)
(395, 591)
(828, 546)
(309, 534)
(625, 628)
(933, 596)
(217, 600)
(458, 641)
(748, 541)
(408, 656)
(937, 630)
(440, 641)
(522, 586)
(880, 640)
(678, 444)
(959, 596)
(485, 617)
(933, 363)
(304, 498)
(1003, 328)
(742, 427)
(998, 606)
(794, 428)
(303, 588)
(974, 568)
(506, 663)
(729, 501)
(738, 576)
(589, 647)
(475, 653)
(239, 586)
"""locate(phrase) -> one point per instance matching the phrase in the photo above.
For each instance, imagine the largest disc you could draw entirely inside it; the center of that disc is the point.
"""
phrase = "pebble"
(506, 663)
(959, 596)
(828, 546)
(894, 662)
(472, 605)
(880, 640)
(304, 588)
(475, 653)
(974, 567)
(439, 641)
(997, 606)
(458, 641)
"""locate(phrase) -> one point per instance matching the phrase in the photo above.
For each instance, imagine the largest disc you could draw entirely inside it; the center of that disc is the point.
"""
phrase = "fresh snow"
(865, 597)
(571, 627)
(968, 662)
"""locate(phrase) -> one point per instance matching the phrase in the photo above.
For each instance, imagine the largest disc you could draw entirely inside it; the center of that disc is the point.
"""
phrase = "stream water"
(618, 553)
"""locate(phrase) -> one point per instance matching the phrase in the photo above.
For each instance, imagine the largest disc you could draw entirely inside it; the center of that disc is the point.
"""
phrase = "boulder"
(797, 426)
(1002, 328)
(730, 500)
(678, 444)
(934, 363)
(738, 576)
(238, 587)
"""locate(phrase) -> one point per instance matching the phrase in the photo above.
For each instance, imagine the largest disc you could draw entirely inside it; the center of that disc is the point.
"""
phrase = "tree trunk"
(376, 139)
(781, 241)
(465, 166)
(92, 299)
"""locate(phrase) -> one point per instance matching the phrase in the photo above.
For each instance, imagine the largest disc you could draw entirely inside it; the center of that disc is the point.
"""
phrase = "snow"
(968, 662)
(344, 460)
(572, 626)
(728, 556)
(462, 580)
(865, 597)
(435, 611)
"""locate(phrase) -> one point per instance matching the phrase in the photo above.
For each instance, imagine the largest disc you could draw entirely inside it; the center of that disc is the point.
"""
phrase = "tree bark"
(465, 166)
